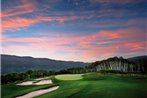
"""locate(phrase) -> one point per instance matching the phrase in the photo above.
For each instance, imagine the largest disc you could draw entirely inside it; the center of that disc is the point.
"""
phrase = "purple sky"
(77, 30)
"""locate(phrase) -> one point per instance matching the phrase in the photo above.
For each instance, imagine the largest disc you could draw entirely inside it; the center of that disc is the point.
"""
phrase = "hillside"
(17, 64)
(134, 64)
(140, 60)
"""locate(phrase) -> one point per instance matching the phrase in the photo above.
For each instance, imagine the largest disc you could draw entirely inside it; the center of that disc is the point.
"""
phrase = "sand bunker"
(38, 92)
(42, 82)
(42, 78)
(26, 83)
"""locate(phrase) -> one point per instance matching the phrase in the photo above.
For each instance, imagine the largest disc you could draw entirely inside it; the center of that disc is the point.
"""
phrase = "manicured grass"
(69, 77)
(101, 86)
(91, 85)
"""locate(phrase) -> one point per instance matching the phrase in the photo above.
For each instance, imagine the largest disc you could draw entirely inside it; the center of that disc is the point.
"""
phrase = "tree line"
(31, 74)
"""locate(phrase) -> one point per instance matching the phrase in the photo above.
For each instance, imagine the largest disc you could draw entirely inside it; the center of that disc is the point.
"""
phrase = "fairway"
(69, 77)
(92, 85)
(95, 85)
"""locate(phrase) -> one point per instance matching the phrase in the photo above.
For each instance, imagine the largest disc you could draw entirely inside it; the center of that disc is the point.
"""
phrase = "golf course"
(88, 85)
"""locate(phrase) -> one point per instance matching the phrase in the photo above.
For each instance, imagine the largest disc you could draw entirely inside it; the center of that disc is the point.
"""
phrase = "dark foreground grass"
(92, 85)
(12, 90)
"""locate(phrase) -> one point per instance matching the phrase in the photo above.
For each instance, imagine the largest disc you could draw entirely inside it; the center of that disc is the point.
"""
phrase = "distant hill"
(140, 60)
(17, 64)
(134, 64)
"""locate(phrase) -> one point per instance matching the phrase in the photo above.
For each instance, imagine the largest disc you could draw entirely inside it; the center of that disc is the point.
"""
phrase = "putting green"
(69, 77)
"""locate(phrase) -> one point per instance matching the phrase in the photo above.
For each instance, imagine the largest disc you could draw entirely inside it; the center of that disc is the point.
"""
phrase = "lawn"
(92, 85)
(69, 77)
(95, 85)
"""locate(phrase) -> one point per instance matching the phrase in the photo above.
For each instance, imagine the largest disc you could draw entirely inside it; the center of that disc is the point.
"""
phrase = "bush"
(111, 71)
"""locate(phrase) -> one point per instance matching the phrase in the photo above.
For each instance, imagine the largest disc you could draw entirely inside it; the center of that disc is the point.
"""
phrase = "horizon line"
(67, 60)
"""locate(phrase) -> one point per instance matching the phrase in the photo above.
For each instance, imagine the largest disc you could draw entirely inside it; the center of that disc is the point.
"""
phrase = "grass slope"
(92, 85)
(101, 86)
(12, 90)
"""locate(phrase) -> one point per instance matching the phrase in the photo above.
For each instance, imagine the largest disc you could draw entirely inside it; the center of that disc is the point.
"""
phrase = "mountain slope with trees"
(17, 64)
(135, 64)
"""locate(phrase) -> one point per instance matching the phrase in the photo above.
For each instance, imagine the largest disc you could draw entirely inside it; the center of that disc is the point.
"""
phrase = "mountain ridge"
(17, 64)
(134, 64)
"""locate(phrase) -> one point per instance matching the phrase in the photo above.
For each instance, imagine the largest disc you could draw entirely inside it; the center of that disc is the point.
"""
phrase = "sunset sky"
(74, 30)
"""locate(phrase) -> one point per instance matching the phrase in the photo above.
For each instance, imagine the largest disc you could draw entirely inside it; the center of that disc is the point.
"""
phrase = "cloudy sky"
(78, 30)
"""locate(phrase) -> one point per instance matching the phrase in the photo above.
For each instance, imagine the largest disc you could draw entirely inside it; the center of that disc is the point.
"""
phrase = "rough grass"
(12, 90)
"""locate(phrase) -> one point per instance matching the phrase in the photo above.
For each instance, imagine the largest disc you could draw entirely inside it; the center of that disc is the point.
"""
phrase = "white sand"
(38, 92)
(26, 83)
(42, 82)
(42, 78)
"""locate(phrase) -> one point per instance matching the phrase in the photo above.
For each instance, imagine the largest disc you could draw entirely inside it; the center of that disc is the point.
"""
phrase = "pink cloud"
(103, 44)
(19, 23)
(117, 49)
(23, 8)
(102, 37)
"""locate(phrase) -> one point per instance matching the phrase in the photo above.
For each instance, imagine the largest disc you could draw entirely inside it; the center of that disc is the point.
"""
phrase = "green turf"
(92, 85)
(69, 77)
(101, 86)
(12, 90)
